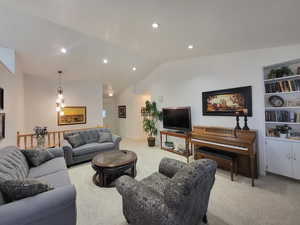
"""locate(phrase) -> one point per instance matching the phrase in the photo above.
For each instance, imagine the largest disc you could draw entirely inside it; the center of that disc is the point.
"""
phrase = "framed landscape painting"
(227, 102)
(73, 115)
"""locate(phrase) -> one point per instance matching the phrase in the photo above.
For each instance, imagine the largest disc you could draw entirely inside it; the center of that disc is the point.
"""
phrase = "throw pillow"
(13, 190)
(105, 137)
(76, 140)
(37, 157)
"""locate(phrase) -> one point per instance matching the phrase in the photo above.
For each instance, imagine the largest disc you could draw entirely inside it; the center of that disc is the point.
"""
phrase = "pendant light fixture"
(60, 101)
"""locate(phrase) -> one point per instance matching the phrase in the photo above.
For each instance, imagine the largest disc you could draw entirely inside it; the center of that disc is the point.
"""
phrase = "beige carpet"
(274, 200)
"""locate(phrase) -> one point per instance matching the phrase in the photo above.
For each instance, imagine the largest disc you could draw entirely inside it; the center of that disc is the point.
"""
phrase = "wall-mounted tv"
(1, 98)
(227, 102)
(177, 118)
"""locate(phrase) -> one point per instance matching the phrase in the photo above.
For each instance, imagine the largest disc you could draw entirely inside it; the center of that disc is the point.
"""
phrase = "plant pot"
(151, 141)
(40, 142)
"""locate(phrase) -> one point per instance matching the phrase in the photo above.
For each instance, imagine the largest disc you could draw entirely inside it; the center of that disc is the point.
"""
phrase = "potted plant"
(151, 116)
(39, 133)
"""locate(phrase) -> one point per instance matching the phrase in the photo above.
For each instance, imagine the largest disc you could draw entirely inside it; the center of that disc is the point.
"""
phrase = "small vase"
(40, 142)
(283, 135)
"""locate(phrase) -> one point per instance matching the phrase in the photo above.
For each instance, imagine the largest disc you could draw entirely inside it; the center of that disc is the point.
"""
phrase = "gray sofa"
(176, 195)
(90, 147)
(55, 207)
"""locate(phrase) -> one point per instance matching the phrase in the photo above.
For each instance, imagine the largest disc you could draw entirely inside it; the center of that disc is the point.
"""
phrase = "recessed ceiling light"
(134, 68)
(63, 50)
(155, 25)
(105, 61)
(190, 46)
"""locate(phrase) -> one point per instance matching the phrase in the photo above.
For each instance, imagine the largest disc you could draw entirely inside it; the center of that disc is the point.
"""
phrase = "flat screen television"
(177, 118)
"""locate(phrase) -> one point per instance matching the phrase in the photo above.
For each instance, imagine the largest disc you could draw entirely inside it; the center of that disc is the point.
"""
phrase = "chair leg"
(231, 170)
(236, 166)
(204, 219)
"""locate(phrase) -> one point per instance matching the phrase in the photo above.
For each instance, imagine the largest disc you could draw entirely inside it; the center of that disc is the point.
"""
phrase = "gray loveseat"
(176, 195)
(57, 206)
(91, 144)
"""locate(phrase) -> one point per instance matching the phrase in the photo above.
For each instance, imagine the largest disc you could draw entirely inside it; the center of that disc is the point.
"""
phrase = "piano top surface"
(224, 135)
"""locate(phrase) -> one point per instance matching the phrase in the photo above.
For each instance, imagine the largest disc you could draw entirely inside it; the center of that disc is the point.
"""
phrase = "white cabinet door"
(296, 160)
(279, 159)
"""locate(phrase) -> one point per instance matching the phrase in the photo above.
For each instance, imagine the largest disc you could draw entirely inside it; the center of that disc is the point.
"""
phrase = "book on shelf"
(282, 116)
(283, 86)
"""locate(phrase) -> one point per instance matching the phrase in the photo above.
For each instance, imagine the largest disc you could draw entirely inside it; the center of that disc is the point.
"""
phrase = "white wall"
(40, 98)
(13, 104)
(181, 83)
(111, 119)
(131, 127)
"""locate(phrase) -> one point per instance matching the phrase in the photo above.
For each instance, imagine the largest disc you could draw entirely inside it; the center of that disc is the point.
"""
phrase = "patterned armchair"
(176, 195)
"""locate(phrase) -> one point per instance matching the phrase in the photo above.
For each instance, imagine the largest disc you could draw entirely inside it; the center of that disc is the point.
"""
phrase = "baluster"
(31, 140)
(54, 138)
(48, 139)
(18, 139)
(58, 138)
(25, 142)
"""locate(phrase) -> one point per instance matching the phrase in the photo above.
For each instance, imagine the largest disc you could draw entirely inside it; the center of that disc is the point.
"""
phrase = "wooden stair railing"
(52, 138)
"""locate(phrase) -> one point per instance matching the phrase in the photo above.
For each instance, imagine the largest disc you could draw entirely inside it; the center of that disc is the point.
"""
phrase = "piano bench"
(221, 157)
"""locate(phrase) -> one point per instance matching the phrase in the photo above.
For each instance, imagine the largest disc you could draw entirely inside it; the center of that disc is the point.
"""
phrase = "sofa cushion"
(18, 189)
(13, 164)
(93, 136)
(89, 136)
(105, 137)
(49, 167)
(92, 148)
(76, 140)
(156, 182)
(58, 179)
(37, 157)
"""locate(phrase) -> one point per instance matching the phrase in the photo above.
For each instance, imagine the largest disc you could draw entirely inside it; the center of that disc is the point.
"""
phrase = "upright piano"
(240, 142)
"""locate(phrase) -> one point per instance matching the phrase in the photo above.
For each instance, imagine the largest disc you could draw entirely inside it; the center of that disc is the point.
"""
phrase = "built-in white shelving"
(283, 93)
(283, 139)
(290, 98)
(283, 154)
(282, 108)
(284, 78)
(275, 122)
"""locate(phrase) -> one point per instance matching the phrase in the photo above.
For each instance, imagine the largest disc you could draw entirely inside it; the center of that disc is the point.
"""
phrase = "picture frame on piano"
(227, 102)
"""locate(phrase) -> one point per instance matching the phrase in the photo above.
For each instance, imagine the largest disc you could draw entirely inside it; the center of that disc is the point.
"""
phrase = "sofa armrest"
(68, 152)
(125, 184)
(53, 207)
(169, 167)
(57, 152)
(116, 140)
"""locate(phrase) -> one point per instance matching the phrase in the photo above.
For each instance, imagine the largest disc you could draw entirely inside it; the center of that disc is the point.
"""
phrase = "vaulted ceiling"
(121, 32)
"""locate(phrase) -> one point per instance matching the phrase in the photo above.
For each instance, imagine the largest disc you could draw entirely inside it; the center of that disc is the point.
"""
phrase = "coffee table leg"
(99, 178)
(133, 170)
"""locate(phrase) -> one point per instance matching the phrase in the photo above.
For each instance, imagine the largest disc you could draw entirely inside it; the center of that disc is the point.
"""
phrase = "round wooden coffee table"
(113, 164)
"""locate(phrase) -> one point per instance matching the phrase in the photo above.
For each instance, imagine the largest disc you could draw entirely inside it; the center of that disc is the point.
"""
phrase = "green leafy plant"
(151, 116)
(280, 72)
